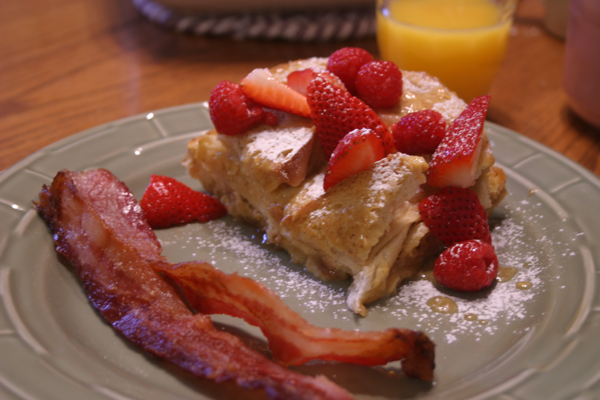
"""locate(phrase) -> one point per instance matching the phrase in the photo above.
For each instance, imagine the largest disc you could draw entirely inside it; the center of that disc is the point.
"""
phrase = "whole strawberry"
(355, 153)
(231, 112)
(454, 215)
(419, 132)
(168, 202)
(345, 63)
(467, 266)
(379, 84)
(454, 162)
(336, 112)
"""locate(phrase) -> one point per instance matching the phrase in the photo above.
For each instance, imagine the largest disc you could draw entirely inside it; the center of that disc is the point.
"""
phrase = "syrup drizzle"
(443, 305)
(505, 274)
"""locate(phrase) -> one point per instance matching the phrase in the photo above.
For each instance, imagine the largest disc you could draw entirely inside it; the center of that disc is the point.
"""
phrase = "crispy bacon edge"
(98, 227)
(292, 339)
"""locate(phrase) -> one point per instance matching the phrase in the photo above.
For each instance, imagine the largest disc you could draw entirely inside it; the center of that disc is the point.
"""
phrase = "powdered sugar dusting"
(419, 82)
(424, 91)
(231, 248)
(403, 168)
(315, 188)
(270, 143)
(234, 247)
(483, 313)
(450, 109)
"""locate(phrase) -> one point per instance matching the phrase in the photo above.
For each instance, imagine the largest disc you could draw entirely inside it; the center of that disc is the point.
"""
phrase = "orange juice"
(462, 42)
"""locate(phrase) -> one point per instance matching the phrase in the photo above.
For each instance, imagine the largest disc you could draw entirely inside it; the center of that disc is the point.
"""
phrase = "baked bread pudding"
(344, 204)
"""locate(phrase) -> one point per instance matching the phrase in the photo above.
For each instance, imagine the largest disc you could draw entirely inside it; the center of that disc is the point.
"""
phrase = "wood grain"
(69, 65)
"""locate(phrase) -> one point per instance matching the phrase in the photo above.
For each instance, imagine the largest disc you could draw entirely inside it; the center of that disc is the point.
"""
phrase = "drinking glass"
(461, 42)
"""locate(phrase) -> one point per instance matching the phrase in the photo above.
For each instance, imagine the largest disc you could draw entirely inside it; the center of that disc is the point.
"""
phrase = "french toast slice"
(367, 227)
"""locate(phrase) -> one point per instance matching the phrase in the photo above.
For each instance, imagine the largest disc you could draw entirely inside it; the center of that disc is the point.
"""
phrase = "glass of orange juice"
(461, 42)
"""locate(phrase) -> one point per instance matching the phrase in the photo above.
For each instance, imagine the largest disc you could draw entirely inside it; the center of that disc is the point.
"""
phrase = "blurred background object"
(582, 59)
(70, 65)
(306, 21)
(205, 7)
(556, 16)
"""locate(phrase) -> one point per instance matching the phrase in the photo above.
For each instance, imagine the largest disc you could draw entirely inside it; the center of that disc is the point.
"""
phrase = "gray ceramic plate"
(534, 336)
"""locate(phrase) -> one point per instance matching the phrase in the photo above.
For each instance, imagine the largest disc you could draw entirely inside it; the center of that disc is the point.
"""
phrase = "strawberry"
(379, 84)
(467, 266)
(356, 152)
(336, 112)
(299, 80)
(345, 63)
(454, 215)
(270, 118)
(231, 111)
(454, 162)
(419, 132)
(168, 202)
(262, 87)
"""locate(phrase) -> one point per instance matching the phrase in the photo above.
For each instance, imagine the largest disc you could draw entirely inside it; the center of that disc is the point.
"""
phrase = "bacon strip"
(292, 339)
(98, 226)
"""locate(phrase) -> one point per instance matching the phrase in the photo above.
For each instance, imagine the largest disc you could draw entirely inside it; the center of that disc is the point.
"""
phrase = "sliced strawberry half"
(336, 112)
(262, 87)
(299, 80)
(168, 202)
(355, 153)
(454, 163)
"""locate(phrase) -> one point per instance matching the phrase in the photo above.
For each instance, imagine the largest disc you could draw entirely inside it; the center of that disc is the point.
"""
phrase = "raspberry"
(345, 63)
(454, 215)
(379, 84)
(419, 132)
(231, 111)
(270, 118)
(467, 266)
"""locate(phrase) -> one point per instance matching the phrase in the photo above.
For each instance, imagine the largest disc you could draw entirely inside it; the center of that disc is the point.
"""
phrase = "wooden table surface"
(69, 65)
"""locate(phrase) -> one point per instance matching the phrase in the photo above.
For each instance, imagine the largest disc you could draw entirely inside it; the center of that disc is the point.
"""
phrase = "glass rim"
(508, 10)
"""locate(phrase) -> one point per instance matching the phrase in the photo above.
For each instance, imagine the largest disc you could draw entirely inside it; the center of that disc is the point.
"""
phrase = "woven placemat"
(315, 26)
